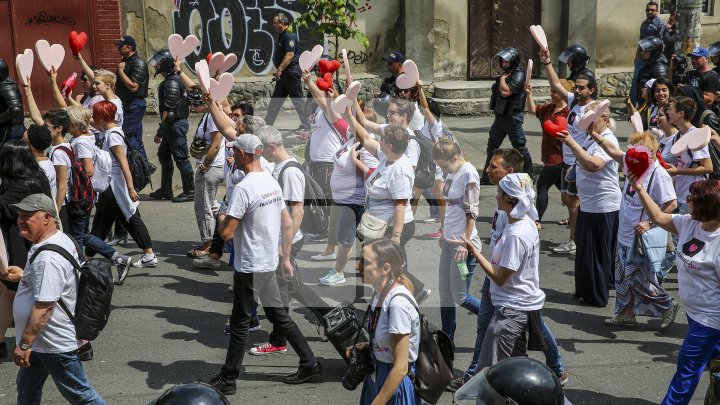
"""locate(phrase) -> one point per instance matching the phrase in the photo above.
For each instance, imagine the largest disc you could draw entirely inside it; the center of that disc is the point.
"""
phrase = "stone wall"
(614, 84)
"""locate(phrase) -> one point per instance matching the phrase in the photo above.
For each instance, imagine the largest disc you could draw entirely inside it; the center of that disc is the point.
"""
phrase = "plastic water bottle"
(462, 269)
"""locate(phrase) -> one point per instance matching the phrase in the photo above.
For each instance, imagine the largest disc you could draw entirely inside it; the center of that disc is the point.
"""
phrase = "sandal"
(564, 221)
(301, 137)
(197, 252)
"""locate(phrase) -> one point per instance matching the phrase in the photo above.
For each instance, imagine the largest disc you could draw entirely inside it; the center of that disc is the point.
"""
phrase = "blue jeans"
(432, 202)
(639, 64)
(133, 113)
(553, 359)
(701, 345)
(67, 373)
(79, 231)
(453, 289)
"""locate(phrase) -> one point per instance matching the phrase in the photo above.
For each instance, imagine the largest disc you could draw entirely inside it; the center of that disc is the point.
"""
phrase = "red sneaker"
(267, 348)
(436, 235)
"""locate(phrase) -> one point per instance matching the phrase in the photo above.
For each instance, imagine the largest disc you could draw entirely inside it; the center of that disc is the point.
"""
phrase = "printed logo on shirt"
(446, 188)
(494, 221)
(693, 247)
(630, 191)
(571, 118)
(291, 43)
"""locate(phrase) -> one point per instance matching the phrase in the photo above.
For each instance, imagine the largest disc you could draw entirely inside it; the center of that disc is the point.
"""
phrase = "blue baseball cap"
(698, 51)
(126, 40)
(395, 56)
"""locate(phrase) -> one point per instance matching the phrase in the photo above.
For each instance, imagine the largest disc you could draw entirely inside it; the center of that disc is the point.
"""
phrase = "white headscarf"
(520, 186)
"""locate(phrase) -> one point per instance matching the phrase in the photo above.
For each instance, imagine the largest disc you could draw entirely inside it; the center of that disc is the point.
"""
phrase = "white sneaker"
(333, 278)
(321, 258)
(147, 261)
(567, 247)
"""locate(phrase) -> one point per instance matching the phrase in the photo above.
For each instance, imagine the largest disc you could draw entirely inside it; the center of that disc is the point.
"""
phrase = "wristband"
(546, 63)
(601, 141)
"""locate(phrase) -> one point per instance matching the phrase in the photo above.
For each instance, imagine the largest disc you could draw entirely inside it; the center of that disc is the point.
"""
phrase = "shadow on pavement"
(581, 397)
(185, 371)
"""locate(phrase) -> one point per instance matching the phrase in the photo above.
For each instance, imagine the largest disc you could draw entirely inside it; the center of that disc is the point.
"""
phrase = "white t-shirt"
(418, 119)
(325, 140)
(293, 188)
(114, 137)
(61, 158)
(84, 146)
(390, 182)
(684, 161)
(499, 222)
(401, 318)
(599, 192)
(236, 176)
(578, 134)
(49, 279)
(698, 264)
(346, 182)
(257, 202)
(119, 113)
(661, 191)
(205, 129)
(518, 250)
(49, 169)
(456, 202)
(413, 148)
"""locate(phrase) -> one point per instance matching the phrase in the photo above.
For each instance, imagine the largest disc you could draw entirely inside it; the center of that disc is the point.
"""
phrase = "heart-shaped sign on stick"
(637, 161)
(529, 72)
(329, 66)
(220, 88)
(309, 59)
(220, 63)
(50, 56)
(636, 122)
(695, 139)
(539, 34)
(180, 48)
(325, 82)
(24, 65)
(346, 63)
(552, 128)
(408, 79)
(590, 117)
(342, 101)
(77, 42)
(203, 74)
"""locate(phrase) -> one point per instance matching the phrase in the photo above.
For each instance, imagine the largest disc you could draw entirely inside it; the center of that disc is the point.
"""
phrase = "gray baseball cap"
(249, 144)
(37, 202)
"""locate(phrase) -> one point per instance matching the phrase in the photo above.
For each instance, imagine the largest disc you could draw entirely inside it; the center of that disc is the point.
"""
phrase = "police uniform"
(289, 83)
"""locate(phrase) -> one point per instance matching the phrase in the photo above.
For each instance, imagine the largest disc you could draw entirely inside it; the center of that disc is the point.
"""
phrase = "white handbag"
(371, 227)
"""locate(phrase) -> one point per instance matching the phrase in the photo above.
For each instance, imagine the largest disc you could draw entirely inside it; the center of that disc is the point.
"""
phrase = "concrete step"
(472, 106)
(478, 88)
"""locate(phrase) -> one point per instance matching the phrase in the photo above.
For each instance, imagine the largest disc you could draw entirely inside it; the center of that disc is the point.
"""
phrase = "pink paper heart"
(657, 132)
(180, 48)
(309, 59)
(409, 77)
(346, 63)
(220, 63)
(529, 72)
(590, 117)
(219, 89)
(539, 34)
(342, 101)
(203, 75)
(695, 139)
(24, 64)
(50, 56)
(636, 122)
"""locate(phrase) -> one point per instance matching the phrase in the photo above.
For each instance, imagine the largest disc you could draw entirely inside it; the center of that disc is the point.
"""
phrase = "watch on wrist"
(24, 346)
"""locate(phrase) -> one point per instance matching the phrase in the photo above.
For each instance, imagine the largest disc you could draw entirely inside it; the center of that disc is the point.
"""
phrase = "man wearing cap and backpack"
(703, 77)
(132, 88)
(395, 60)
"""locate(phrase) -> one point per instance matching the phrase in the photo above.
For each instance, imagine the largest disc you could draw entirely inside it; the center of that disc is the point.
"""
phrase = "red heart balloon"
(77, 41)
(553, 127)
(325, 83)
(637, 162)
(329, 66)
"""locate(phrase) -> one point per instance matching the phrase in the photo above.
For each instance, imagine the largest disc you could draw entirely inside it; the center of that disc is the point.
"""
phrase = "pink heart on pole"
(636, 122)
(50, 56)
(220, 63)
(203, 75)
(309, 59)
(539, 34)
(344, 100)
(590, 117)
(220, 88)
(695, 139)
(346, 63)
(529, 72)
(24, 64)
(180, 48)
(409, 77)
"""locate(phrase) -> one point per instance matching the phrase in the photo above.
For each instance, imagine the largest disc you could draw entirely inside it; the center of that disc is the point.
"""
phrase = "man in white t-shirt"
(46, 340)
(254, 219)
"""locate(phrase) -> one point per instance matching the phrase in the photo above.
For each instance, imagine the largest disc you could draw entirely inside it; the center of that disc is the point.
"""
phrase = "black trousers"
(595, 238)
(549, 176)
(288, 85)
(107, 211)
(174, 147)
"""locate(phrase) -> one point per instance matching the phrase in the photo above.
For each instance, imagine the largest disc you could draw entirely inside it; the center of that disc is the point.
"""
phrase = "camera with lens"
(679, 69)
(360, 364)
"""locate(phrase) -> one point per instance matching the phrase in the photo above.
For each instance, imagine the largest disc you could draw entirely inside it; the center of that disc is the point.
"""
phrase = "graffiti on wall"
(243, 27)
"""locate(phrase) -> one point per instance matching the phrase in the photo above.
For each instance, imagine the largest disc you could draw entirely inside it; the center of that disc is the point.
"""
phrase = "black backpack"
(94, 292)
(82, 192)
(425, 169)
(140, 167)
(317, 216)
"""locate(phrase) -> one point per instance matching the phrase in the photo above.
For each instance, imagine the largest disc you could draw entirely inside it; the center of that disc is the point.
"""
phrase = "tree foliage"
(333, 18)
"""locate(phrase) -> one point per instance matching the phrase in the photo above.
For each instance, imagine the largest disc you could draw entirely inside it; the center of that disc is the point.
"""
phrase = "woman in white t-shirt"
(597, 221)
(393, 324)
(698, 265)
(462, 198)
(39, 139)
(104, 86)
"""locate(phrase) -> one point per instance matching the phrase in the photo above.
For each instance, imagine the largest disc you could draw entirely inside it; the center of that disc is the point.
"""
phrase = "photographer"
(394, 328)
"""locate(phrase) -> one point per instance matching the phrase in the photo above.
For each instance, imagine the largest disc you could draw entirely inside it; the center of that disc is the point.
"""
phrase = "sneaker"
(423, 295)
(184, 197)
(324, 258)
(304, 374)
(564, 378)
(161, 195)
(85, 352)
(455, 384)
(147, 261)
(669, 315)
(123, 264)
(118, 239)
(333, 278)
(220, 384)
(267, 348)
(432, 220)
(620, 320)
(567, 247)
(436, 235)
(207, 262)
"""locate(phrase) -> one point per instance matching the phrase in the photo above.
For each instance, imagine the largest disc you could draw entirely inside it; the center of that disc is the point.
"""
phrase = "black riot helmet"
(513, 381)
(162, 61)
(191, 394)
(4, 70)
(511, 55)
(577, 54)
(714, 50)
(654, 45)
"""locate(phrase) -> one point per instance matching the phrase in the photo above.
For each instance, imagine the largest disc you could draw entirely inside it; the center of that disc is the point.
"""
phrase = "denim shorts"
(568, 187)
(348, 222)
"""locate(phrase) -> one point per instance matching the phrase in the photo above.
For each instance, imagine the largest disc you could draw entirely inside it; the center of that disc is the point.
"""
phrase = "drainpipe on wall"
(564, 34)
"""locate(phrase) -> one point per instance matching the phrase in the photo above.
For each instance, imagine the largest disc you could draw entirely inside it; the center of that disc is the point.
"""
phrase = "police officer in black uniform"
(288, 74)
(656, 65)
(11, 107)
(395, 60)
(172, 133)
(132, 88)
(576, 57)
(508, 103)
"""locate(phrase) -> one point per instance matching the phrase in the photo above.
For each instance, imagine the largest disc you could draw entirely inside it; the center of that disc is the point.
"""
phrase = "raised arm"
(532, 108)
(373, 127)
(57, 94)
(317, 94)
(35, 114)
(223, 122)
(553, 78)
(187, 81)
(370, 144)
(610, 148)
(424, 106)
(86, 68)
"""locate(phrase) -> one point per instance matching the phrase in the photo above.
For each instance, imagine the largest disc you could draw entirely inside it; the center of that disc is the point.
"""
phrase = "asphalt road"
(166, 326)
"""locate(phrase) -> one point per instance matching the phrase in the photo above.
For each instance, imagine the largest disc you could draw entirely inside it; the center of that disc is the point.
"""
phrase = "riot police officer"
(172, 133)
(132, 88)
(11, 107)
(656, 65)
(576, 57)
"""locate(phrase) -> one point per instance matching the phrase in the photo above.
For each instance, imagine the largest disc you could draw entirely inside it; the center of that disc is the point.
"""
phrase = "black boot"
(165, 190)
(188, 182)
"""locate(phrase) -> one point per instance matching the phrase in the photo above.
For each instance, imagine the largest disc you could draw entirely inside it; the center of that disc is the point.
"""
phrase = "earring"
(392, 280)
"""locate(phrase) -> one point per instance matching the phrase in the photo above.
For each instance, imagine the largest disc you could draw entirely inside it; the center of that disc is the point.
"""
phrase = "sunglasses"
(390, 113)
(401, 91)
